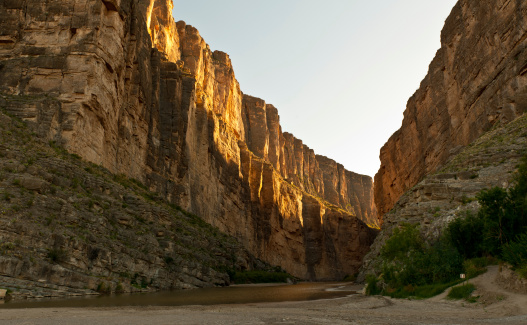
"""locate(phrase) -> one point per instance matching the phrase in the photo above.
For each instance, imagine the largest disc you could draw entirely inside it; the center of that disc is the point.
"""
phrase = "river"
(206, 296)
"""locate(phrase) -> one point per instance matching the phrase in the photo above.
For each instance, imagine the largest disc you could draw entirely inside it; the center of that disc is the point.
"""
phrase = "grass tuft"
(461, 292)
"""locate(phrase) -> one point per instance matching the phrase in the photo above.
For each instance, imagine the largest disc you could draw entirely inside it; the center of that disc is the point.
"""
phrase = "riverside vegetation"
(498, 232)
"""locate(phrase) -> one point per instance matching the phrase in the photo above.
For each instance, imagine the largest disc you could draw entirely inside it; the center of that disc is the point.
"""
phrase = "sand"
(498, 307)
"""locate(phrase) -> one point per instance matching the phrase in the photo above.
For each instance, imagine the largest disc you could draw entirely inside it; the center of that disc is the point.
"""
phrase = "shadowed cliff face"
(121, 84)
(478, 78)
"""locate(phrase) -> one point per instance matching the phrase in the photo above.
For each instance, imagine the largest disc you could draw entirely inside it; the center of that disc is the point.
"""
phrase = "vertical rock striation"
(478, 78)
(300, 166)
(123, 85)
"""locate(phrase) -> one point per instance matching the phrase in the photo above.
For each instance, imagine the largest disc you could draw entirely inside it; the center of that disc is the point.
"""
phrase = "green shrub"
(475, 266)
(119, 288)
(403, 240)
(103, 287)
(421, 292)
(402, 253)
(504, 212)
(466, 200)
(411, 267)
(483, 262)
(465, 234)
(431, 290)
(409, 261)
(515, 252)
(372, 287)
(139, 282)
(522, 271)
(231, 273)
(138, 183)
(500, 228)
(461, 292)
(494, 215)
(441, 262)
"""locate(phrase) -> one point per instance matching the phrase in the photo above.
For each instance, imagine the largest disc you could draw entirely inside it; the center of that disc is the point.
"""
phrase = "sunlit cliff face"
(288, 187)
(162, 28)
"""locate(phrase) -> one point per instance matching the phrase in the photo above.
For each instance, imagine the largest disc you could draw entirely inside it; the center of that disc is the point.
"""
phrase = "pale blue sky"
(339, 72)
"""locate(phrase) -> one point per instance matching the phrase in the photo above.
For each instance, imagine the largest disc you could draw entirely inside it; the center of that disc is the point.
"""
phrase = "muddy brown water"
(206, 296)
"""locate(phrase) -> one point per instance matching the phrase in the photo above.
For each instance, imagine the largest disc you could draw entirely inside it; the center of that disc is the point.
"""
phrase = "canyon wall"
(123, 85)
(478, 78)
(451, 192)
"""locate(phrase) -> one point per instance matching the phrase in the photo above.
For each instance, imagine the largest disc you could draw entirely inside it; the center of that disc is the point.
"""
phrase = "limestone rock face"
(69, 227)
(450, 193)
(478, 78)
(300, 166)
(121, 84)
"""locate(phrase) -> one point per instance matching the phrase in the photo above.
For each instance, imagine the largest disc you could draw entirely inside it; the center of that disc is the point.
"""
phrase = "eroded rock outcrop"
(478, 78)
(69, 227)
(450, 193)
(124, 86)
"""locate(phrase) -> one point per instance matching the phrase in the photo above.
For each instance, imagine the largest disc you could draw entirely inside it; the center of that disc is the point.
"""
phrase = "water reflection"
(207, 296)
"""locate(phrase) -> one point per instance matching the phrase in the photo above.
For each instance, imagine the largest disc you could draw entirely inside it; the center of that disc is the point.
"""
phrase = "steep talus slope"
(477, 78)
(450, 193)
(121, 84)
(68, 227)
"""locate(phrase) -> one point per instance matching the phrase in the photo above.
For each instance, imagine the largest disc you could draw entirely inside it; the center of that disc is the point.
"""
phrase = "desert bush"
(412, 267)
(522, 271)
(372, 287)
(404, 240)
(103, 287)
(431, 290)
(500, 227)
(505, 212)
(515, 252)
(461, 292)
(493, 214)
(475, 266)
(119, 288)
(466, 235)
(408, 260)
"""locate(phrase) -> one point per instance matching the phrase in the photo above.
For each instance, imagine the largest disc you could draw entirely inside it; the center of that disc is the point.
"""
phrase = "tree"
(493, 212)
(466, 235)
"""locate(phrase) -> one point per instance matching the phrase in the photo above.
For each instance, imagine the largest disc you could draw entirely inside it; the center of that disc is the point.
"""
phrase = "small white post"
(463, 276)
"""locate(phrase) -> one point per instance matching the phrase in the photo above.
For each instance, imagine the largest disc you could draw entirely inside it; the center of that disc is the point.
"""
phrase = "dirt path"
(492, 296)
(506, 302)
(510, 309)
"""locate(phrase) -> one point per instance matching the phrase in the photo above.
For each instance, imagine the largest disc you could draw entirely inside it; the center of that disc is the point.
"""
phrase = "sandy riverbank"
(509, 308)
